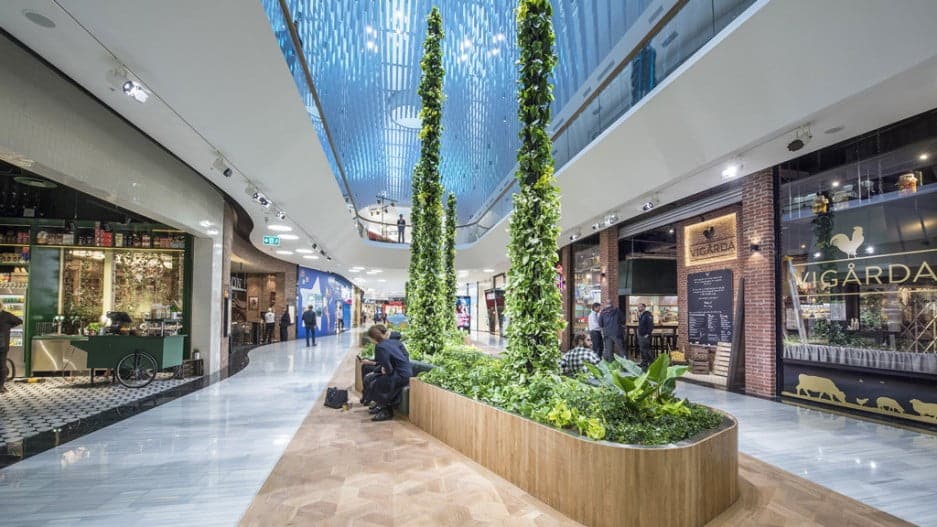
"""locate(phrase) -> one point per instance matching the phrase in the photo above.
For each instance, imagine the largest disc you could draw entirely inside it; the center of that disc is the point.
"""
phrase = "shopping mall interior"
(499, 262)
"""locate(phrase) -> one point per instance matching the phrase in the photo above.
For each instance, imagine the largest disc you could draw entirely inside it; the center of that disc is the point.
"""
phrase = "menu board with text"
(709, 307)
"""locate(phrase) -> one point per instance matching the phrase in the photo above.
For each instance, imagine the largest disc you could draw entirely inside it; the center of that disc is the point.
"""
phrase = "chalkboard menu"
(709, 307)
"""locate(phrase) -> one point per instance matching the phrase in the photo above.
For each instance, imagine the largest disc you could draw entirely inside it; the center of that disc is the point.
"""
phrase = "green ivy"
(533, 303)
(449, 255)
(426, 309)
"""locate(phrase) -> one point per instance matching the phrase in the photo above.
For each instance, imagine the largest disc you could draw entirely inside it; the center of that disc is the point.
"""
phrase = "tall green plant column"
(449, 255)
(533, 303)
(413, 298)
(428, 321)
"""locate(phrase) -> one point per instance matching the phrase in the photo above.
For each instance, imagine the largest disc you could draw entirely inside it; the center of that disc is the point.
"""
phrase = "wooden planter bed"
(597, 483)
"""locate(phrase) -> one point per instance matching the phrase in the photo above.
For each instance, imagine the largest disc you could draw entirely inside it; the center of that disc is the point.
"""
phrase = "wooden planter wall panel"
(596, 483)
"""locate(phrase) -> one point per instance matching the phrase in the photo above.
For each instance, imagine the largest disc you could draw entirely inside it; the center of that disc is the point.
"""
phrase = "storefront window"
(587, 277)
(860, 243)
(147, 283)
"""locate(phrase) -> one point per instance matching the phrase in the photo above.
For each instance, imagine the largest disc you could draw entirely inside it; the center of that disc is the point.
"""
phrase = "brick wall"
(608, 261)
(758, 227)
(755, 223)
(566, 260)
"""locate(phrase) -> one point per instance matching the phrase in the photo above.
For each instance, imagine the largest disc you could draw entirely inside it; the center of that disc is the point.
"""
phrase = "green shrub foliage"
(426, 308)
(533, 303)
(449, 255)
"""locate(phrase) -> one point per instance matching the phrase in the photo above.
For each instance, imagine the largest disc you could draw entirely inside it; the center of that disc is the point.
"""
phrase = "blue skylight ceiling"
(364, 56)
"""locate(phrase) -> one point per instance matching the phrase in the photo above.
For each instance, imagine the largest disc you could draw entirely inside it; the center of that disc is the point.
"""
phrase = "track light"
(315, 246)
(281, 215)
(596, 226)
(647, 206)
(119, 78)
(611, 219)
(222, 167)
(260, 199)
(575, 236)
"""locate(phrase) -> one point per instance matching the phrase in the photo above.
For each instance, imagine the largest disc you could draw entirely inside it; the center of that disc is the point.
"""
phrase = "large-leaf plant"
(651, 390)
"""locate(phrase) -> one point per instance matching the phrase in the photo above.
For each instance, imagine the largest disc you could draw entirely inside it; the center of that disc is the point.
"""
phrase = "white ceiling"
(220, 81)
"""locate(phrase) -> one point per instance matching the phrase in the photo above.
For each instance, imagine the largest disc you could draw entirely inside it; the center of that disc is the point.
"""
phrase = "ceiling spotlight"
(611, 219)
(290, 237)
(315, 246)
(835, 184)
(285, 253)
(279, 228)
(731, 171)
(281, 215)
(647, 206)
(211, 232)
(670, 230)
(575, 236)
(869, 250)
(300, 251)
(488, 270)
(923, 157)
(329, 258)
(135, 90)
(311, 256)
(222, 167)
(817, 254)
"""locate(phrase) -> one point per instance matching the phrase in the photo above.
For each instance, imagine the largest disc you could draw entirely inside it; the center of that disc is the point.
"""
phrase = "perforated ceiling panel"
(364, 58)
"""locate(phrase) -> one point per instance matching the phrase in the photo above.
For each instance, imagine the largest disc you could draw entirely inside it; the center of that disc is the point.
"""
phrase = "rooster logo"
(846, 245)
(709, 233)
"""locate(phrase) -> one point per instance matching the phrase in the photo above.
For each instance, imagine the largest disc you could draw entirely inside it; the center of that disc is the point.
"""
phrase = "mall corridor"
(198, 460)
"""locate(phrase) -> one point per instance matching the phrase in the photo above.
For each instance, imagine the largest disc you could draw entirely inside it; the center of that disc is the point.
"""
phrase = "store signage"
(907, 269)
(711, 241)
(272, 241)
(709, 307)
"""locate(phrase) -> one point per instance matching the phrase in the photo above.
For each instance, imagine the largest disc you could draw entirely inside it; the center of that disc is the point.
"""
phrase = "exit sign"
(273, 241)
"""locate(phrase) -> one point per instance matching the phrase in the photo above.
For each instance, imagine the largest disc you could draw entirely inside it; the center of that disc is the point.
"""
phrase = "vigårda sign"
(273, 241)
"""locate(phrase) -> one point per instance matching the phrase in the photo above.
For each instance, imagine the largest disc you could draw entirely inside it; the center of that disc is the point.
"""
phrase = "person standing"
(285, 323)
(401, 227)
(645, 328)
(270, 320)
(8, 321)
(595, 328)
(613, 343)
(309, 323)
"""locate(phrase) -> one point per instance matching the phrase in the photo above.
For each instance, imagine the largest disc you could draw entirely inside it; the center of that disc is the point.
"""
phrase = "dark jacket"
(285, 319)
(8, 321)
(309, 318)
(611, 319)
(393, 357)
(645, 323)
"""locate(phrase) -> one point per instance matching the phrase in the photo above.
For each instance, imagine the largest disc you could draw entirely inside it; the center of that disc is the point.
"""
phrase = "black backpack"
(335, 398)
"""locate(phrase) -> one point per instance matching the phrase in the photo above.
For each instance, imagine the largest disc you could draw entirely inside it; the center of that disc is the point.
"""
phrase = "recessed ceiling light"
(870, 249)
(311, 257)
(211, 232)
(285, 253)
(488, 270)
(205, 223)
(303, 251)
(30, 181)
(817, 254)
(730, 172)
(923, 157)
(288, 237)
(381, 280)
(38, 19)
(277, 227)
(354, 270)
(835, 184)
(834, 130)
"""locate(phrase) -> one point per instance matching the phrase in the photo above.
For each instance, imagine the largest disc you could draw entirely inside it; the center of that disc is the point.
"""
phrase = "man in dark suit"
(611, 320)
(645, 328)
(8, 321)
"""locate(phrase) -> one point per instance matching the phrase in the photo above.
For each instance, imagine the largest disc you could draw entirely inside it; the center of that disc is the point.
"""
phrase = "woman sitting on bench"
(392, 373)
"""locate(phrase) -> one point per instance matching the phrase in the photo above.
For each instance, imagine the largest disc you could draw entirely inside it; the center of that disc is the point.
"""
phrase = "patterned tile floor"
(28, 409)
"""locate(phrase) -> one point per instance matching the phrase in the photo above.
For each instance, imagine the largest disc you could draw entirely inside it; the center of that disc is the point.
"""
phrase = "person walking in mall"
(285, 323)
(8, 321)
(270, 321)
(391, 355)
(595, 328)
(613, 343)
(401, 227)
(645, 328)
(309, 323)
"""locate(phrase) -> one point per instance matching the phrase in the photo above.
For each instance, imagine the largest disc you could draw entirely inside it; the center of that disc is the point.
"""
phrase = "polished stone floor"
(198, 460)
(889, 468)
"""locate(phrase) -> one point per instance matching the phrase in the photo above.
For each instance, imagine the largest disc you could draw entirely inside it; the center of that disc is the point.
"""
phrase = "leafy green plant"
(426, 308)
(533, 303)
(449, 255)
(652, 389)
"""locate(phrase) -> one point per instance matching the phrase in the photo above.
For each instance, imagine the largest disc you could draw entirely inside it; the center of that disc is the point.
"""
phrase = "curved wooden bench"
(596, 483)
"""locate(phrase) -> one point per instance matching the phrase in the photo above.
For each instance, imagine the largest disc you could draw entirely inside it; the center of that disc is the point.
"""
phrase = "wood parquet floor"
(342, 469)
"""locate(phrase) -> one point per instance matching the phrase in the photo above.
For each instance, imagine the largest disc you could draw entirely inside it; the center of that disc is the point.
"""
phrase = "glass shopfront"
(859, 271)
(587, 279)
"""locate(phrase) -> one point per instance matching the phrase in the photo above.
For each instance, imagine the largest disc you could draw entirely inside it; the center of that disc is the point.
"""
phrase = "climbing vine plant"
(427, 310)
(449, 255)
(533, 303)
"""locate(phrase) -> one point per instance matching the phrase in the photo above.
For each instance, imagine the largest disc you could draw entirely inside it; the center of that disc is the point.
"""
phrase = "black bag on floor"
(335, 398)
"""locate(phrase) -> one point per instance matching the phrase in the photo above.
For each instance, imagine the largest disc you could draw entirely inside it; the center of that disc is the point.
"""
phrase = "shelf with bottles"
(14, 236)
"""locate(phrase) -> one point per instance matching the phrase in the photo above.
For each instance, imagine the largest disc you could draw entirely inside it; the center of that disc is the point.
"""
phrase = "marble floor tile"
(889, 468)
